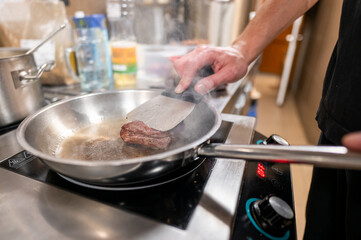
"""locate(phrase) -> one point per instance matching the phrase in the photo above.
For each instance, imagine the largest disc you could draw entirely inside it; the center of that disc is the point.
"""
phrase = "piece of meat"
(137, 132)
(155, 143)
(139, 127)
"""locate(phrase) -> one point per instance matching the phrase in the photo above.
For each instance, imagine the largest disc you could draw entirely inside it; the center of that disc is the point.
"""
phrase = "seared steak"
(137, 132)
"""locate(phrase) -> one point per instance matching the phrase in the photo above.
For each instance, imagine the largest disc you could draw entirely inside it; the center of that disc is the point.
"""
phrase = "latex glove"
(228, 64)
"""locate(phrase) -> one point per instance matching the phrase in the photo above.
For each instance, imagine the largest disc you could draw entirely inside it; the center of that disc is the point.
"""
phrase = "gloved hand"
(228, 64)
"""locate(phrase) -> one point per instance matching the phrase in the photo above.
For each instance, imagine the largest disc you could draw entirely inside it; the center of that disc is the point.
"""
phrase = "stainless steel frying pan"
(42, 132)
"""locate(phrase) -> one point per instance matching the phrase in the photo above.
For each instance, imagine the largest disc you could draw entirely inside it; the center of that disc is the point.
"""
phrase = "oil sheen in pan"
(101, 142)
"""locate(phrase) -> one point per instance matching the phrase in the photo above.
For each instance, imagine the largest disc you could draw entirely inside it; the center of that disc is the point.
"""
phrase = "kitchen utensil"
(42, 132)
(167, 110)
(91, 58)
(32, 50)
(321, 156)
(20, 90)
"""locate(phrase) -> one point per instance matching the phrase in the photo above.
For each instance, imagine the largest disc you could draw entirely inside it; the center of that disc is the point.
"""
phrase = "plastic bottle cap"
(79, 14)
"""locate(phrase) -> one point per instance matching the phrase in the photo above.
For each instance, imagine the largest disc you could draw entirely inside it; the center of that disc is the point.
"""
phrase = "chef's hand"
(352, 141)
(231, 63)
(228, 64)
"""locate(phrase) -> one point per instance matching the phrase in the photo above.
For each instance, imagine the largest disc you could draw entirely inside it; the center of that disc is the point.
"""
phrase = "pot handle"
(23, 77)
(321, 156)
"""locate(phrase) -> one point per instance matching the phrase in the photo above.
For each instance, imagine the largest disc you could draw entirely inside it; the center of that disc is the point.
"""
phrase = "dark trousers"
(334, 203)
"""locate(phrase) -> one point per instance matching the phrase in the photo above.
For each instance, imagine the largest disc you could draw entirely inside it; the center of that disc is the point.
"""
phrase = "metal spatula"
(167, 110)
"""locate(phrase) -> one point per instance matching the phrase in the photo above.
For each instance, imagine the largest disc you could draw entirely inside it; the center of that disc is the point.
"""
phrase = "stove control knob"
(276, 139)
(273, 215)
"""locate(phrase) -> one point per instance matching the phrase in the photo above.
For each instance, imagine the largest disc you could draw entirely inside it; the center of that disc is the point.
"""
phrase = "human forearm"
(231, 63)
(270, 20)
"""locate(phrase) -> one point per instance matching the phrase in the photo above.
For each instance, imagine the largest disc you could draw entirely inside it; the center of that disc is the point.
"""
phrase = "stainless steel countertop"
(30, 209)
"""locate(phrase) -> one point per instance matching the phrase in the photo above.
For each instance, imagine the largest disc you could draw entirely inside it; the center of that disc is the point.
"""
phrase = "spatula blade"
(162, 113)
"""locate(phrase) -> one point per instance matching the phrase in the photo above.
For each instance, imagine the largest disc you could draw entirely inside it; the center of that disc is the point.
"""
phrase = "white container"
(154, 66)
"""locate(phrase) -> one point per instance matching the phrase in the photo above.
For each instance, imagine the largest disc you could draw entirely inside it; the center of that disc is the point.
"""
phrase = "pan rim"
(20, 134)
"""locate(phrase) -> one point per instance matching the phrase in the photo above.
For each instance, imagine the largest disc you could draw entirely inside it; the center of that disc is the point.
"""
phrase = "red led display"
(261, 171)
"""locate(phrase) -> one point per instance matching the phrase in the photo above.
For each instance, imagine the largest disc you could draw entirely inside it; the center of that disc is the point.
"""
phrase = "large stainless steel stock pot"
(20, 89)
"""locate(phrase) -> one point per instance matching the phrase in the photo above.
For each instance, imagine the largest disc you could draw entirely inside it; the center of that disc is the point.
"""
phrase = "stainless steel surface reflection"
(18, 97)
(33, 210)
(42, 133)
(9, 145)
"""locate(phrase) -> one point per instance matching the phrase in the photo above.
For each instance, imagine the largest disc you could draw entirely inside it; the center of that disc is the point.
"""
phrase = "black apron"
(334, 201)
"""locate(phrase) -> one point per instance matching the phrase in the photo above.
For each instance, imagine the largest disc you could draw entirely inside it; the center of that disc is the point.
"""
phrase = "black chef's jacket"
(340, 108)
(334, 201)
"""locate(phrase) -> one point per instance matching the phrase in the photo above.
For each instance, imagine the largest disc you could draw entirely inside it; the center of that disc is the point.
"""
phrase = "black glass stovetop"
(170, 199)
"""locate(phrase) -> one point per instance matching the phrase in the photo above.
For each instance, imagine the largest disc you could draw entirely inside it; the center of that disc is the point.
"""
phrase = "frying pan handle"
(190, 94)
(322, 156)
